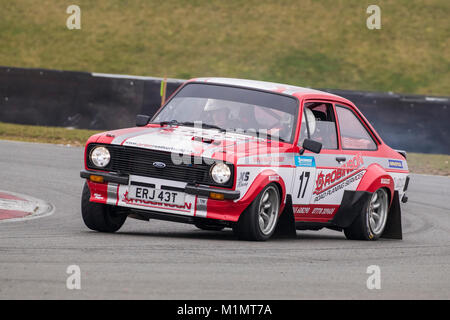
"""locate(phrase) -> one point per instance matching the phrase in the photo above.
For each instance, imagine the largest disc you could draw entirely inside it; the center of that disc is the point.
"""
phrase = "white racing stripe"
(120, 139)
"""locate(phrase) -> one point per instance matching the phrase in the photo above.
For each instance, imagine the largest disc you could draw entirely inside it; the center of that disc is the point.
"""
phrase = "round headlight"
(100, 157)
(221, 173)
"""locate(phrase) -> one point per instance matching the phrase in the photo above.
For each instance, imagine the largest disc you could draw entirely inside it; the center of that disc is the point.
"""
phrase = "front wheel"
(370, 224)
(100, 217)
(258, 221)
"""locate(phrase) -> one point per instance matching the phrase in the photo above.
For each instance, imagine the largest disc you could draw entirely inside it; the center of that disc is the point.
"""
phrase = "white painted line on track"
(36, 208)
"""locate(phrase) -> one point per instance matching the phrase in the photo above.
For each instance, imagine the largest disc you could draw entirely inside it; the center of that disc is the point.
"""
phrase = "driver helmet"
(214, 105)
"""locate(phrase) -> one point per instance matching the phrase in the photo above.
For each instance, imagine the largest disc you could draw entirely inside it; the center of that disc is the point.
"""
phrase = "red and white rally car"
(255, 156)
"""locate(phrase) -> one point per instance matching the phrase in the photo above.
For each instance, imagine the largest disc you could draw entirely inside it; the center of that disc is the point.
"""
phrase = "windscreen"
(233, 109)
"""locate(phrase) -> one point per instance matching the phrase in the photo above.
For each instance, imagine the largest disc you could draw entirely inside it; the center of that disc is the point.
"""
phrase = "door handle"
(340, 159)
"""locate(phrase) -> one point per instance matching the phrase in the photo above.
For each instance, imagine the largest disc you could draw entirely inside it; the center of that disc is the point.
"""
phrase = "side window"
(321, 123)
(353, 134)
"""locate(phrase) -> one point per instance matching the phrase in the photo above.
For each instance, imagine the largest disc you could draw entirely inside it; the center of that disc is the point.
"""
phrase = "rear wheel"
(370, 224)
(258, 221)
(100, 217)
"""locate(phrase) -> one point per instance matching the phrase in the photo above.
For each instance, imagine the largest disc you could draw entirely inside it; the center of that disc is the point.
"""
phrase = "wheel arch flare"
(264, 178)
(375, 178)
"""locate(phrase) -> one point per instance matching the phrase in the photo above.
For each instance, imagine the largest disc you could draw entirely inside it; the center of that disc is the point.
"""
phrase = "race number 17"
(304, 176)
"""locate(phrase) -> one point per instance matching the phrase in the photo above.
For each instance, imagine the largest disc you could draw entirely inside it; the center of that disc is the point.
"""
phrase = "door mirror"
(142, 120)
(311, 145)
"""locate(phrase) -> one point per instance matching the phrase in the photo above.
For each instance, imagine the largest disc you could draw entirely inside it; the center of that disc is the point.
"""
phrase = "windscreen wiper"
(164, 123)
(213, 126)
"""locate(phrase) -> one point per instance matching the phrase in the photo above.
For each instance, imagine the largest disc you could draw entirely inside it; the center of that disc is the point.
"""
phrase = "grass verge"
(322, 44)
(56, 135)
(436, 164)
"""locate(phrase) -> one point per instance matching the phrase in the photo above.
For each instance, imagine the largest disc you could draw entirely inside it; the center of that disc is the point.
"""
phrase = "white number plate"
(156, 195)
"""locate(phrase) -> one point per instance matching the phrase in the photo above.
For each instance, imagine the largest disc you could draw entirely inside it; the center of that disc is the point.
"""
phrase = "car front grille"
(139, 161)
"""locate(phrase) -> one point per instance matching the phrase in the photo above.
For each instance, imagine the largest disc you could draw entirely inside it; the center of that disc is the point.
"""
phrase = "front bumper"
(199, 190)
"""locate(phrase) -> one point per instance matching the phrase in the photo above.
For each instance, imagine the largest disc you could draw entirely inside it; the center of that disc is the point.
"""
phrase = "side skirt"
(147, 215)
(353, 204)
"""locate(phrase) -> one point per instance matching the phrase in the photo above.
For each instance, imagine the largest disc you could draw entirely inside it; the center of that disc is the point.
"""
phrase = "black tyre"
(100, 217)
(370, 224)
(259, 220)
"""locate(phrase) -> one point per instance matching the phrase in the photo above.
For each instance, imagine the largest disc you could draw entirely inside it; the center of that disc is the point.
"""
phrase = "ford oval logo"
(159, 165)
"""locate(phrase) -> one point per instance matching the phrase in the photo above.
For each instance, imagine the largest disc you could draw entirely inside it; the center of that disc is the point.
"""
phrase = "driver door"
(319, 124)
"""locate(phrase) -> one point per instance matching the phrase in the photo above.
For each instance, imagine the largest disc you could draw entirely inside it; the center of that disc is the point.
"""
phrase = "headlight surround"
(220, 173)
(100, 157)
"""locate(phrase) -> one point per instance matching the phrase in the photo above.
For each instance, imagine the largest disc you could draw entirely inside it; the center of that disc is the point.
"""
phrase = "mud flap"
(352, 205)
(393, 228)
(286, 223)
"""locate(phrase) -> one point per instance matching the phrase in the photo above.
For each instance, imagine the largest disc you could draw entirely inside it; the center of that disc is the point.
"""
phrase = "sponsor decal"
(398, 164)
(323, 211)
(385, 181)
(98, 196)
(339, 186)
(243, 179)
(307, 210)
(274, 178)
(338, 175)
(304, 161)
(159, 147)
(301, 210)
(268, 159)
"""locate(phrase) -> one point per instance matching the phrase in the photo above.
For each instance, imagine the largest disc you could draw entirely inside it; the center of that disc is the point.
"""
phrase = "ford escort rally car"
(258, 157)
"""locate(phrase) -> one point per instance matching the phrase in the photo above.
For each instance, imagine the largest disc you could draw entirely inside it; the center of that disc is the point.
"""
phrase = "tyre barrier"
(106, 101)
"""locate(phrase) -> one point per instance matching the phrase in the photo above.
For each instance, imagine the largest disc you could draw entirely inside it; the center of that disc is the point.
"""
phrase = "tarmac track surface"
(164, 260)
